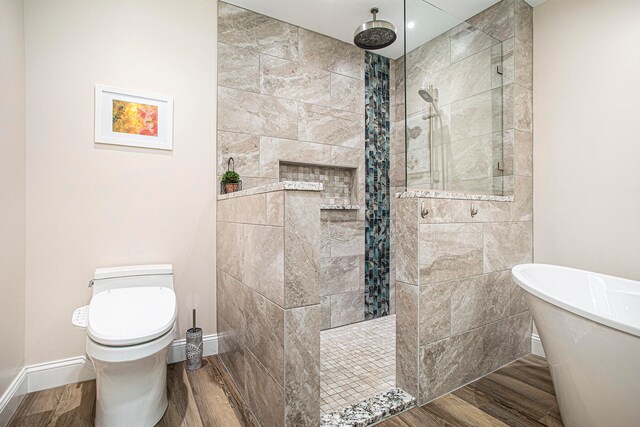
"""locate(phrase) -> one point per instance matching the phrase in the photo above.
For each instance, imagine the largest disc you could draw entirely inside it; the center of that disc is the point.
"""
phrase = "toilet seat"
(128, 317)
(111, 354)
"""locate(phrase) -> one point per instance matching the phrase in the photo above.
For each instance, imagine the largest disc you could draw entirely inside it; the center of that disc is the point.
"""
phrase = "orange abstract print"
(134, 118)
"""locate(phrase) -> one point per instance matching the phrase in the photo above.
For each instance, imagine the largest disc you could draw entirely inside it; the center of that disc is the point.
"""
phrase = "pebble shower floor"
(357, 361)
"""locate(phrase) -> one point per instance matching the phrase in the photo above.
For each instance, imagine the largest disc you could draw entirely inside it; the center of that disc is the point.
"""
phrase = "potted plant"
(231, 180)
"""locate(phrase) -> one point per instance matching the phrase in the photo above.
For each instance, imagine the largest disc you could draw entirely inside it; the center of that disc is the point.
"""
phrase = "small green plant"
(230, 177)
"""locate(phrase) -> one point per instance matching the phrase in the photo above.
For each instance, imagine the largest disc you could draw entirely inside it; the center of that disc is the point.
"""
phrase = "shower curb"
(371, 410)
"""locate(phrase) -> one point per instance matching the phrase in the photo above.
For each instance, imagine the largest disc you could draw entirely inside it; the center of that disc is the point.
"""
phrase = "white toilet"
(130, 323)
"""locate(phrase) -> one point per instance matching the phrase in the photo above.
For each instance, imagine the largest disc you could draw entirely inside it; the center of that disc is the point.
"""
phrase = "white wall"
(587, 135)
(92, 205)
(12, 190)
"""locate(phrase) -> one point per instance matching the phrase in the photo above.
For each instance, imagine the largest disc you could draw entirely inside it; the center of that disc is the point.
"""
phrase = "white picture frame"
(146, 120)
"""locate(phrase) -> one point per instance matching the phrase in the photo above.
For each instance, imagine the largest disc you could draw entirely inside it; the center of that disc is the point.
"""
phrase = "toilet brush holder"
(194, 346)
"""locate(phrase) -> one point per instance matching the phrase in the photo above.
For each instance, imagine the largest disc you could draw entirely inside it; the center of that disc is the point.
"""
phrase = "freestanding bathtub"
(589, 325)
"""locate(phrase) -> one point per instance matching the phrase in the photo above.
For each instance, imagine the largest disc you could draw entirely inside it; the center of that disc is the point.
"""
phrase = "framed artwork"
(126, 117)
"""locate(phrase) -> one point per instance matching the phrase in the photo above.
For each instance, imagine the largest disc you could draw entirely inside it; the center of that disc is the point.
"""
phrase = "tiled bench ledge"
(439, 194)
(284, 185)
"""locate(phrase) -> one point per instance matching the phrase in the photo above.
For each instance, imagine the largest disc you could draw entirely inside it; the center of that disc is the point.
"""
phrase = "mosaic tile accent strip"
(370, 411)
(377, 192)
(357, 362)
(337, 182)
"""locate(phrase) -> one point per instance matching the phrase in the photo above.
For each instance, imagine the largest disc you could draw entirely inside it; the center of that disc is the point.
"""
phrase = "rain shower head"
(375, 34)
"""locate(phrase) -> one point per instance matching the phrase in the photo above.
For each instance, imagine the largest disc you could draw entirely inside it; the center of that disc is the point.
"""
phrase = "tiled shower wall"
(267, 272)
(459, 315)
(287, 94)
(337, 183)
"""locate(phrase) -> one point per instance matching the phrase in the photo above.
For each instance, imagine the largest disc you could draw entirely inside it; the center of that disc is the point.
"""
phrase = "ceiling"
(339, 18)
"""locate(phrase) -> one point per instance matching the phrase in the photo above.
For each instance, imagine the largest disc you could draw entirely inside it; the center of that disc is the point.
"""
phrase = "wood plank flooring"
(520, 394)
(206, 397)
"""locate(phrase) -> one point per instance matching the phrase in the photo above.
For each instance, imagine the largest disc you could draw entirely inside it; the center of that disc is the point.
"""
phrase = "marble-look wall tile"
(244, 28)
(232, 353)
(264, 395)
(506, 340)
(245, 150)
(424, 60)
(302, 248)
(407, 241)
(347, 157)
(472, 158)
(467, 40)
(326, 53)
(238, 67)
(325, 312)
(522, 205)
(302, 366)
(275, 208)
(340, 274)
(264, 273)
(507, 245)
(347, 238)
(407, 344)
(288, 79)
(497, 21)
(245, 210)
(522, 108)
(328, 126)
(523, 64)
(523, 153)
(246, 112)
(449, 363)
(450, 251)
(471, 116)
(523, 22)
(462, 79)
(347, 93)
(264, 335)
(347, 308)
(479, 300)
(276, 150)
(231, 299)
(229, 252)
(435, 312)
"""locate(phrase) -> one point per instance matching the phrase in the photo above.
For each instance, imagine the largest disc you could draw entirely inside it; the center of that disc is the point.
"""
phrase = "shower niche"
(338, 183)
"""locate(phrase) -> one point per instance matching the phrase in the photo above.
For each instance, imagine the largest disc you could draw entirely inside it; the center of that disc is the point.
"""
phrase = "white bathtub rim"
(595, 317)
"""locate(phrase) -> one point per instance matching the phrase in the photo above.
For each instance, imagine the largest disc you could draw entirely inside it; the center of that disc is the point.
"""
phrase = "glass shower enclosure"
(454, 103)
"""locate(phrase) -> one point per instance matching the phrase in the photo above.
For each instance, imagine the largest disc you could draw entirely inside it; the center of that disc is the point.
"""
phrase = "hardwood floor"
(206, 397)
(520, 394)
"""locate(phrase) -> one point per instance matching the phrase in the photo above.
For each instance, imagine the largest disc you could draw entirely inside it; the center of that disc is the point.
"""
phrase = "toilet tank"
(132, 276)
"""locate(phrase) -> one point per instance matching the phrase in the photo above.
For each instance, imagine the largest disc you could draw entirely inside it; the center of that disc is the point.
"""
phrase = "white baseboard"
(536, 346)
(12, 397)
(177, 351)
(47, 375)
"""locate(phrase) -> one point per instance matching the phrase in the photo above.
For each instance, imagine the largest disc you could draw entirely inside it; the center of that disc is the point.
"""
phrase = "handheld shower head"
(431, 96)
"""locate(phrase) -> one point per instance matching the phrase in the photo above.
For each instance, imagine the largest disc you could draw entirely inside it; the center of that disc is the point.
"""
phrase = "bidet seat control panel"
(79, 318)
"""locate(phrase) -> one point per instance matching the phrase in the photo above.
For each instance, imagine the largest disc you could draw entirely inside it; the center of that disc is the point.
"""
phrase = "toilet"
(130, 324)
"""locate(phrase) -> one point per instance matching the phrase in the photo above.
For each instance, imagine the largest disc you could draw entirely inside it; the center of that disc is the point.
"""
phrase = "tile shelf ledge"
(283, 185)
(328, 207)
(440, 194)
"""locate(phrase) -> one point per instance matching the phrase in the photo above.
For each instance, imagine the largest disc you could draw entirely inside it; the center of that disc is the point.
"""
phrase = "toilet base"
(131, 393)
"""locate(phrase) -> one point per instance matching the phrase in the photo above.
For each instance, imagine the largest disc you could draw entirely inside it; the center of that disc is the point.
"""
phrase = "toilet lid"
(128, 316)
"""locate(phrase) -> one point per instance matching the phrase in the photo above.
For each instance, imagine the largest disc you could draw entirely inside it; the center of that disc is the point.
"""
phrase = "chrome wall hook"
(424, 211)
(474, 211)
